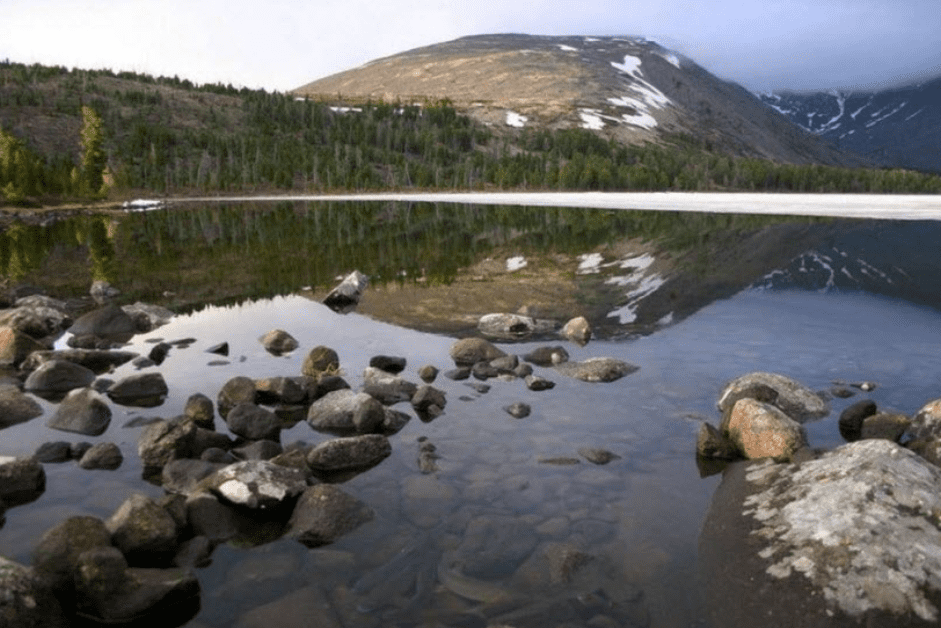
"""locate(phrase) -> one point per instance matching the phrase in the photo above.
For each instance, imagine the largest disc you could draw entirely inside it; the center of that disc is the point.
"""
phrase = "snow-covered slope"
(898, 127)
(627, 88)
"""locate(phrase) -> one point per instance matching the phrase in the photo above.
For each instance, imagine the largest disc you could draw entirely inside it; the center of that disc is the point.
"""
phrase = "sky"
(283, 44)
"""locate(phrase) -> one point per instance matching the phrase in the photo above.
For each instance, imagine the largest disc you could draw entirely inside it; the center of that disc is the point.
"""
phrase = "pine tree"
(94, 159)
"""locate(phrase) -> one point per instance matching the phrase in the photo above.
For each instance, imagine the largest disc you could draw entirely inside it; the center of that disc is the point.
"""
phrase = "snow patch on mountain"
(516, 120)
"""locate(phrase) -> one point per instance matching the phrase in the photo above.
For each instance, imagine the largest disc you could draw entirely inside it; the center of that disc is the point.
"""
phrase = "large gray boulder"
(760, 430)
(108, 321)
(324, 513)
(470, 351)
(790, 396)
(58, 377)
(25, 601)
(83, 411)
(105, 456)
(597, 369)
(346, 412)
(256, 484)
(16, 407)
(22, 480)
(850, 538)
(926, 424)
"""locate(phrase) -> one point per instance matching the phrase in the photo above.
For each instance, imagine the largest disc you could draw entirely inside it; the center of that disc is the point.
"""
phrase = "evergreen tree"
(94, 160)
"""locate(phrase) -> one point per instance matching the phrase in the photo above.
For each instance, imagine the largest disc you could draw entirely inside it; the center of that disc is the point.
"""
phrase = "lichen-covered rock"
(597, 369)
(319, 361)
(324, 513)
(470, 351)
(199, 410)
(760, 430)
(851, 537)
(83, 411)
(22, 480)
(788, 395)
(927, 421)
(256, 484)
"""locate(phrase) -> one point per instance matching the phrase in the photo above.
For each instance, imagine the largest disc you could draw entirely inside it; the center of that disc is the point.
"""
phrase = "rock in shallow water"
(256, 483)
(597, 369)
(324, 513)
(790, 396)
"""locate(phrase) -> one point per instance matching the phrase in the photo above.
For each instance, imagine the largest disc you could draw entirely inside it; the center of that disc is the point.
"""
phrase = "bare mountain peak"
(625, 87)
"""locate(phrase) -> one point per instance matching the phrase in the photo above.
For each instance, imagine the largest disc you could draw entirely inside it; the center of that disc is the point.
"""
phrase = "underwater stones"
(83, 411)
(597, 369)
(790, 396)
(324, 513)
(139, 595)
(760, 430)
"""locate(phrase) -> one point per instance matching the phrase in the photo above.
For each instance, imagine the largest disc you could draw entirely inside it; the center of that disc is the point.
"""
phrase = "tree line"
(140, 134)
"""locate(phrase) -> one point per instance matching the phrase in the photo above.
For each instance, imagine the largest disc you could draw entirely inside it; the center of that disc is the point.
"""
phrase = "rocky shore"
(799, 536)
(226, 475)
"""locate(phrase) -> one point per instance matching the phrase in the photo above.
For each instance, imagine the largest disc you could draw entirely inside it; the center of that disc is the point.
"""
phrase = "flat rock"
(347, 454)
(597, 369)
(256, 484)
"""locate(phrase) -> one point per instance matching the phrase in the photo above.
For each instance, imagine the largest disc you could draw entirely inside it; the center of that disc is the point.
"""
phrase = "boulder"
(58, 377)
(926, 423)
(209, 439)
(346, 412)
(355, 453)
(209, 517)
(253, 422)
(199, 410)
(788, 395)
(578, 330)
(850, 538)
(393, 421)
(105, 322)
(16, 407)
(597, 369)
(142, 389)
(547, 356)
(321, 361)
(83, 411)
(102, 456)
(470, 351)
(237, 390)
(56, 555)
(387, 388)
(345, 297)
(25, 601)
(851, 419)
(256, 484)
(278, 342)
(22, 480)
(163, 441)
(144, 532)
(324, 513)
(760, 430)
(16, 346)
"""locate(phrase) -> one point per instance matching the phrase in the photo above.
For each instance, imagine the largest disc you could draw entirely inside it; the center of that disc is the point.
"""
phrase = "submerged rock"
(597, 369)
(324, 513)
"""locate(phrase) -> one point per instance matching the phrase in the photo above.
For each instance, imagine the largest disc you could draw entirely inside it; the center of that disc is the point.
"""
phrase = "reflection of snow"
(568, 48)
(346, 109)
(515, 263)
(515, 119)
(641, 284)
(589, 263)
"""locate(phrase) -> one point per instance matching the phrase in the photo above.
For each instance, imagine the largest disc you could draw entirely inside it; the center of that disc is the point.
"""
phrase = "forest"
(79, 134)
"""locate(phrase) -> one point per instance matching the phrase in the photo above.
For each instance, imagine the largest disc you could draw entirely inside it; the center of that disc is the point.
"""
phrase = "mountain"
(630, 89)
(898, 127)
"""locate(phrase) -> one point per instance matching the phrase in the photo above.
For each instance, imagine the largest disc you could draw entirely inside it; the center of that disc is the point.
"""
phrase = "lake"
(693, 300)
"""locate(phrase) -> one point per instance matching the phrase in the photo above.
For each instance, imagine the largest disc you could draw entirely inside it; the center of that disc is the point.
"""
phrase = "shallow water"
(639, 516)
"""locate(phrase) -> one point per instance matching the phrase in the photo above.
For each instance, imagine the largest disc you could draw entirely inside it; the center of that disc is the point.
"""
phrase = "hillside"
(627, 88)
(898, 127)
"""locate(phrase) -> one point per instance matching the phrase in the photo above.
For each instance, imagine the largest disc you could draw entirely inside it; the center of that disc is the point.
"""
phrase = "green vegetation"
(65, 133)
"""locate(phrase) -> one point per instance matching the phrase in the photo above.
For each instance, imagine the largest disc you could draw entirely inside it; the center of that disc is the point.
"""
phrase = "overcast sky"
(283, 44)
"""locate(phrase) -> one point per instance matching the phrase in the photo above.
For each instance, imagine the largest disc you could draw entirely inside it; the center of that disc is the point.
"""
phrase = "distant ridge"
(627, 88)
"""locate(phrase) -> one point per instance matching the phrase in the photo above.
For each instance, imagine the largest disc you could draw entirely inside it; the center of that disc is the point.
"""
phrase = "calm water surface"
(638, 517)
